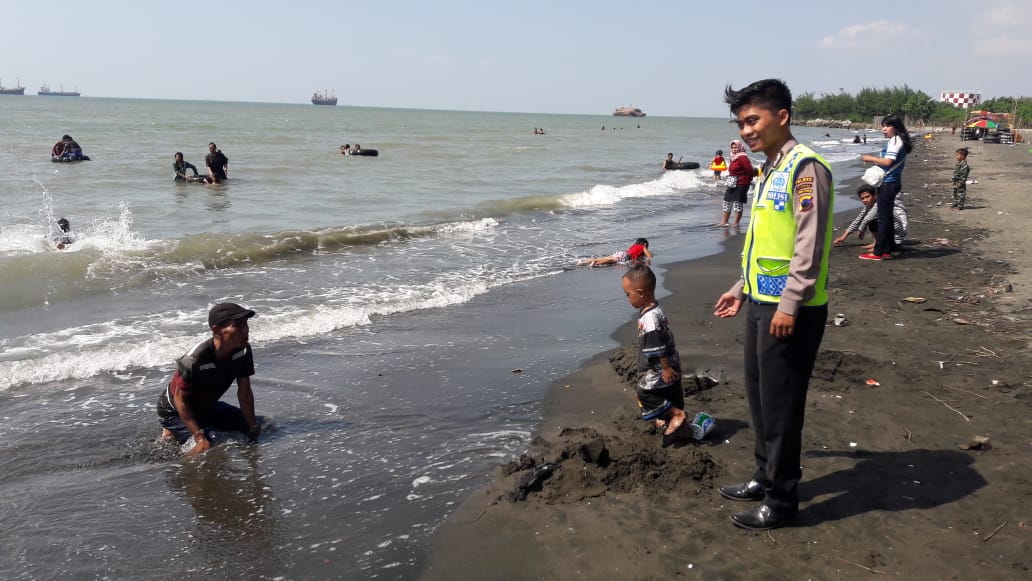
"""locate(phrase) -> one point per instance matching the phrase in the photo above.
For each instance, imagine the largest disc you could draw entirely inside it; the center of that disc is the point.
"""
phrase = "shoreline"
(883, 467)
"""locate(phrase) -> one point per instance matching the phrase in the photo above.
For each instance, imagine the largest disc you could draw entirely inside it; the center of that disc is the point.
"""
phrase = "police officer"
(784, 285)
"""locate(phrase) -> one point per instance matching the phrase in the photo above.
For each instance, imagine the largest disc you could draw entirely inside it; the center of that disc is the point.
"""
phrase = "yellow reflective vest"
(770, 240)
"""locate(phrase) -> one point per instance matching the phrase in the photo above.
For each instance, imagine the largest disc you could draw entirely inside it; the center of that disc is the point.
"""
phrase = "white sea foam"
(468, 227)
(606, 195)
(155, 340)
(101, 233)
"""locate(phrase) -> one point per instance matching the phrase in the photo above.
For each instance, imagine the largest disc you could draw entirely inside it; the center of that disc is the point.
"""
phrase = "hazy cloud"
(868, 34)
(997, 32)
(1003, 46)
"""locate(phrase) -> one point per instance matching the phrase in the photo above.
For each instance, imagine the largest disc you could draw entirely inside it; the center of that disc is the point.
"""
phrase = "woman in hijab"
(739, 176)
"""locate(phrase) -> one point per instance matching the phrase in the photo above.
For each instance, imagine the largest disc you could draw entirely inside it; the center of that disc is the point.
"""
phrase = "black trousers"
(777, 375)
(883, 239)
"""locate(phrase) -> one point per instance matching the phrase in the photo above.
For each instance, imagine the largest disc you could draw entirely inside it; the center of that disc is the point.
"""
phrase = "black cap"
(222, 313)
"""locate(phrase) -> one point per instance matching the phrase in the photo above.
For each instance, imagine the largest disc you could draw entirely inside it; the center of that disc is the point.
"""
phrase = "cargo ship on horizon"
(17, 89)
(324, 98)
(46, 92)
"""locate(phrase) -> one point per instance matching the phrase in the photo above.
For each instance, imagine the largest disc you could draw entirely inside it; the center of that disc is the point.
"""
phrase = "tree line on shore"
(917, 106)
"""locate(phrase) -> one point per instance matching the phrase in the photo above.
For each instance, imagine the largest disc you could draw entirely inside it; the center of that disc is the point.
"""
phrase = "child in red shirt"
(637, 251)
(718, 165)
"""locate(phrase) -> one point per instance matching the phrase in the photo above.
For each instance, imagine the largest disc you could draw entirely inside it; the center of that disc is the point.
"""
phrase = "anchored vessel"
(46, 92)
(17, 89)
(628, 112)
(324, 98)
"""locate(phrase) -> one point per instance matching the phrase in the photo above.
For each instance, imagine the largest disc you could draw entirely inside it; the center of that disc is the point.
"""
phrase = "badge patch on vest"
(804, 193)
(806, 203)
(778, 191)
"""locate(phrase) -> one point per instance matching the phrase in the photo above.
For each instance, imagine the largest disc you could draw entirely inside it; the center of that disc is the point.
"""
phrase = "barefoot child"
(659, 393)
(960, 176)
(637, 251)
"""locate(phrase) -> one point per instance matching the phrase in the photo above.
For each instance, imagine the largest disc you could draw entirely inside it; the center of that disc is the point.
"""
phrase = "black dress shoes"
(761, 518)
(751, 490)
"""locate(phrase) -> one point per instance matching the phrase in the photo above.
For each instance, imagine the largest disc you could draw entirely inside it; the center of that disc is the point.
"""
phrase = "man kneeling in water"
(190, 405)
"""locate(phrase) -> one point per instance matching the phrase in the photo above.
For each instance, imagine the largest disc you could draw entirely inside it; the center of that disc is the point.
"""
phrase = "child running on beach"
(638, 251)
(659, 393)
(960, 176)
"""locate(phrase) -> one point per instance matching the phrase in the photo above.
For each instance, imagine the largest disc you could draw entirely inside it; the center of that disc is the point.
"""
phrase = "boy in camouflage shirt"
(960, 176)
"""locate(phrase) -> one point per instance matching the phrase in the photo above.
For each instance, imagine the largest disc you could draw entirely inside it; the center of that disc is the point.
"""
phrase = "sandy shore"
(890, 484)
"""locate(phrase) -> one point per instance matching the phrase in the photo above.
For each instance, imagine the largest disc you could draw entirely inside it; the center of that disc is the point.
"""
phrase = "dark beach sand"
(887, 491)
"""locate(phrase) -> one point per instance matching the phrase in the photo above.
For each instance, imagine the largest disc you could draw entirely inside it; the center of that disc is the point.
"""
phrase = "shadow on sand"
(888, 481)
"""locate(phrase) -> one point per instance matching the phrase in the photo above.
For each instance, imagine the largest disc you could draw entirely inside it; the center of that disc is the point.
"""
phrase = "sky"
(558, 56)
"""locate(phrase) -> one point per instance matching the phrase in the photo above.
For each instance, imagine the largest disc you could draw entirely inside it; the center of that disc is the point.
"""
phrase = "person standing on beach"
(892, 159)
(784, 283)
(218, 164)
(659, 393)
(189, 405)
(739, 174)
(961, 171)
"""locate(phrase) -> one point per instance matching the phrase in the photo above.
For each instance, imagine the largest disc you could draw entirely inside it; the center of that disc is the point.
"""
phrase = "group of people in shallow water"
(216, 162)
(67, 149)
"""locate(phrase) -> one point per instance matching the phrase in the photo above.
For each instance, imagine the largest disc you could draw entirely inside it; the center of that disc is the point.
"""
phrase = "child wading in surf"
(637, 251)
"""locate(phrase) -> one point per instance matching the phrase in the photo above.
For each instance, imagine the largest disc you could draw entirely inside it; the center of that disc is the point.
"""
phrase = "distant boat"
(46, 92)
(324, 98)
(628, 112)
(15, 90)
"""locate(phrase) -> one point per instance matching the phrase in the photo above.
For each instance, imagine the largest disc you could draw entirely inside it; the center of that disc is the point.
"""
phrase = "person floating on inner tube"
(718, 165)
(357, 150)
(345, 149)
(668, 163)
(67, 150)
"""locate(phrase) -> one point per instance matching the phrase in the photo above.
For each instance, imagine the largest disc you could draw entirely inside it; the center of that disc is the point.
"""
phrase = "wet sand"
(891, 486)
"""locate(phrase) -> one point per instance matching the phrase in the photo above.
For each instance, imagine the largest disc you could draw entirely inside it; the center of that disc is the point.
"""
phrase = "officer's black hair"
(771, 94)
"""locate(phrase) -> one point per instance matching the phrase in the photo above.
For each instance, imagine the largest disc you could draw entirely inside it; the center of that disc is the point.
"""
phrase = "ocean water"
(396, 295)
